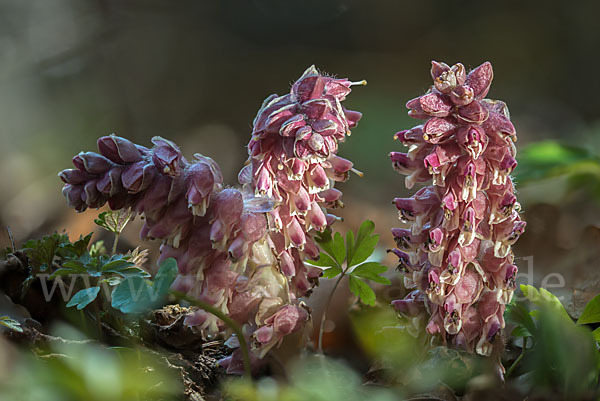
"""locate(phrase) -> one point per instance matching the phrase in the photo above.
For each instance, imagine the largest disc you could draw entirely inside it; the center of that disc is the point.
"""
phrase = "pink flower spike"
(457, 254)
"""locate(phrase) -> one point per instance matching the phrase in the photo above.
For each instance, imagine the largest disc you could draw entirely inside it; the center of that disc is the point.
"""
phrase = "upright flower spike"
(239, 249)
(457, 255)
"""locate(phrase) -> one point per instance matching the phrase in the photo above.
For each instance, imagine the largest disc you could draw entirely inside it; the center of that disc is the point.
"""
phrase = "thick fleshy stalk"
(457, 255)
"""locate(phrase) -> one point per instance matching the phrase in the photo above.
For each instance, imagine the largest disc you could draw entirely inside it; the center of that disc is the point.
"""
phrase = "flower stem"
(518, 360)
(324, 315)
(227, 320)
(116, 241)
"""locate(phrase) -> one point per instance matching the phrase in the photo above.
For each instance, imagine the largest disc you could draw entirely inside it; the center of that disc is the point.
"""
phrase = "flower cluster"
(241, 250)
(456, 255)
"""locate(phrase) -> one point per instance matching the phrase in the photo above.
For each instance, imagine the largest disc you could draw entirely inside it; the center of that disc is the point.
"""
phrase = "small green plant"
(340, 259)
(115, 222)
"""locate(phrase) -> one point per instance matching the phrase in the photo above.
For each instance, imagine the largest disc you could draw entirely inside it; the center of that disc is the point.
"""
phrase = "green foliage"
(11, 323)
(100, 266)
(97, 249)
(591, 313)
(43, 252)
(549, 159)
(114, 220)
(409, 358)
(58, 257)
(339, 259)
(544, 299)
(316, 378)
(76, 370)
(362, 290)
(83, 297)
(563, 356)
(381, 337)
(137, 294)
(518, 314)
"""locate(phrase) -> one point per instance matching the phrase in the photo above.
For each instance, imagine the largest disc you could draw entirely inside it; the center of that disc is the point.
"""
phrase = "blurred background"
(196, 72)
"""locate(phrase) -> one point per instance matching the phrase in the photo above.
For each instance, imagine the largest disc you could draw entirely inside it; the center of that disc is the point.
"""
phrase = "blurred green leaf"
(11, 323)
(83, 371)
(97, 249)
(544, 298)
(371, 271)
(591, 313)
(381, 337)
(362, 290)
(313, 378)
(83, 297)
(520, 331)
(550, 158)
(596, 334)
(518, 314)
(564, 358)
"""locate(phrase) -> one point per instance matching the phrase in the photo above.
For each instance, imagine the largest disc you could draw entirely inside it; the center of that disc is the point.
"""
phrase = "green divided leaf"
(332, 272)
(10, 323)
(114, 221)
(520, 331)
(165, 276)
(364, 249)
(334, 246)
(84, 297)
(116, 264)
(362, 290)
(338, 248)
(41, 252)
(365, 243)
(371, 271)
(324, 261)
(518, 314)
(349, 245)
(75, 249)
(138, 295)
(365, 230)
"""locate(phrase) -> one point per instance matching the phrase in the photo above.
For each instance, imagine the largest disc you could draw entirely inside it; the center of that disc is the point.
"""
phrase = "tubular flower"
(239, 249)
(456, 255)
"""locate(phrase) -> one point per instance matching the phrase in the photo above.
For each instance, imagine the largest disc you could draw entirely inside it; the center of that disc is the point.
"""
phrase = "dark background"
(196, 72)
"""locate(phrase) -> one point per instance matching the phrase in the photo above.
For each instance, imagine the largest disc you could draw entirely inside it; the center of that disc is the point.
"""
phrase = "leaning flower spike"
(241, 250)
(457, 254)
